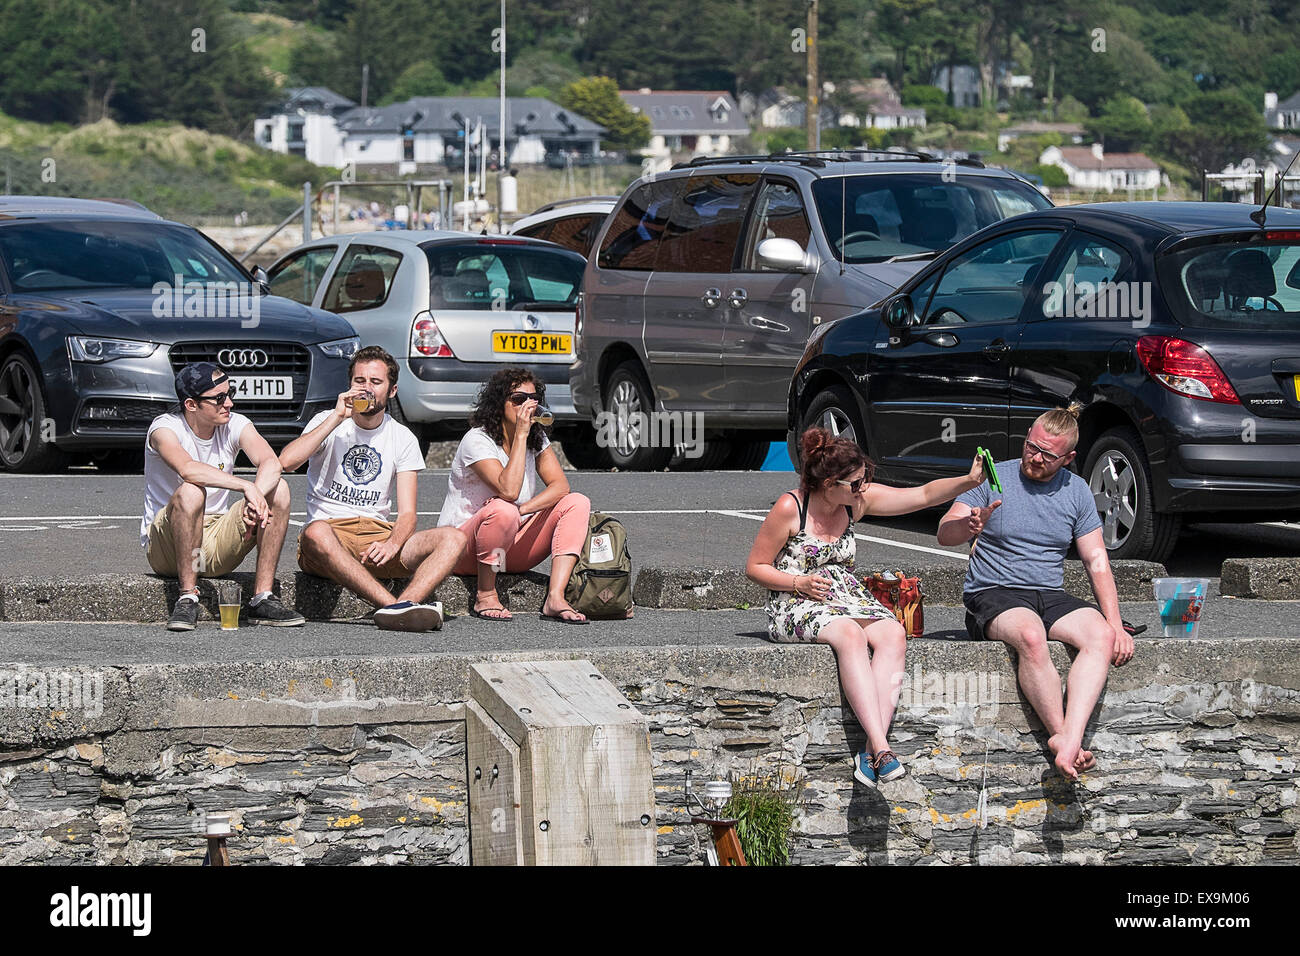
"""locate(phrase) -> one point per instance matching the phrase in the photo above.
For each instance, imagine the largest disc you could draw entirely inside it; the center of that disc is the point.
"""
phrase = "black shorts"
(983, 606)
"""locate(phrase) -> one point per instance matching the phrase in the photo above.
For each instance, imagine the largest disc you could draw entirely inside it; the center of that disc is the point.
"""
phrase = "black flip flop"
(485, 617)
(1134, 629)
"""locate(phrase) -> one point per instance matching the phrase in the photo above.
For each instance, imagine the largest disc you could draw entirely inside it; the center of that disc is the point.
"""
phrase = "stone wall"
(363, 760)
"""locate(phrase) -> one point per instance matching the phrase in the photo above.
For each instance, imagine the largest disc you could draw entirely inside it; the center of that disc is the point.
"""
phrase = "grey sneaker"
(271, 612)
(184, 615)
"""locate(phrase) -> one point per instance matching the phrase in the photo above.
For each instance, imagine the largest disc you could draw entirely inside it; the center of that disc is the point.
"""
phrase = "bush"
(764, 812)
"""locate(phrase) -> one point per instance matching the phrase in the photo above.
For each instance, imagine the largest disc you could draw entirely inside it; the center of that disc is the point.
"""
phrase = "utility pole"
(813, 107)
(501, 148)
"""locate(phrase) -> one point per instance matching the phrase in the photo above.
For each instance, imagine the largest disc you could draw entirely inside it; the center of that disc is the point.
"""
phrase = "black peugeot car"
(1176, 325)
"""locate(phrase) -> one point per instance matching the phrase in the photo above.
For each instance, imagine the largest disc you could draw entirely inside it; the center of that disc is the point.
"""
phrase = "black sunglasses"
(855, 485)
(217, 399)
(518, 398)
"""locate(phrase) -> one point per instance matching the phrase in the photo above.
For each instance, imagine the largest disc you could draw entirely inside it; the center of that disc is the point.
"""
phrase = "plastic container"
(1179, 601)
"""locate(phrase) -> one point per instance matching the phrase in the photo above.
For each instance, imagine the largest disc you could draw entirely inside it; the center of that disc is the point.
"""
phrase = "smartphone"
(990, 470)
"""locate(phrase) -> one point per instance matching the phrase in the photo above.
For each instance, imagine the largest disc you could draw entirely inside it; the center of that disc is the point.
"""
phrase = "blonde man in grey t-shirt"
(1013, 583)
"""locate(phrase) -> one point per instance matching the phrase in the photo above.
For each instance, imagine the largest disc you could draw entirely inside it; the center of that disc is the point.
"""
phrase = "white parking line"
(865, 537)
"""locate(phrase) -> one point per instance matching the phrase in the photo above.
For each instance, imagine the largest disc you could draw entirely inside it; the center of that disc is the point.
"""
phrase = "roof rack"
(820, 157)
(572, 202)
(764, 158)
(846, 155)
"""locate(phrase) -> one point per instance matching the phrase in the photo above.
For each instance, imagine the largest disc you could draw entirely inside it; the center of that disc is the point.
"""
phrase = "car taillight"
(426, 340)
(1186, 369)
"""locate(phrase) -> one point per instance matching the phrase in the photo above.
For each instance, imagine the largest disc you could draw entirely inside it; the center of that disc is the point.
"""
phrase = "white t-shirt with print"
(466, 491)
(161, 482)
(353, 472)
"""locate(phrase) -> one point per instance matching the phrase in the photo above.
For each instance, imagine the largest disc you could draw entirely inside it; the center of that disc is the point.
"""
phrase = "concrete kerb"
(146, 598)
(1271, 579)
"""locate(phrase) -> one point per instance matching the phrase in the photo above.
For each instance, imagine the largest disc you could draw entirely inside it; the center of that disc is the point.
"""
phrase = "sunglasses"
(217, 399)
(1034, 450)
(855, 485)
(518, 398)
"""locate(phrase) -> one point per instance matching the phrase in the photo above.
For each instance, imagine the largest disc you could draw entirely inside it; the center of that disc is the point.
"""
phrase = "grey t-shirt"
(1024, 543)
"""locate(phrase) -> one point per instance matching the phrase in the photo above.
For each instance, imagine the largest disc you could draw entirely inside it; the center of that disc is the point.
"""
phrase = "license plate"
(261, 388)
(536, 343)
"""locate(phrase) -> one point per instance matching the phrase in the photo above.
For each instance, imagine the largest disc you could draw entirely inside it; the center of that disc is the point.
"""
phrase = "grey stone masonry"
(362, 760)
(1273, 579)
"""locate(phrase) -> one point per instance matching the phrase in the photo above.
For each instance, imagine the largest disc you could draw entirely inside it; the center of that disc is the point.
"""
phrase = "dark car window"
(882, 216)
(778, 214)
(632, 240)
(989, 282)
(1234, 285)
(498, 276)
(540, 231)
(362, 280)
(298, 277)
(704, 228)
(41, 256)
(1089, 262)
(576, 232)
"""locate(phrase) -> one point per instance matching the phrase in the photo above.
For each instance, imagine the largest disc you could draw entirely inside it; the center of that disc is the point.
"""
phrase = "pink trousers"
(497, 530)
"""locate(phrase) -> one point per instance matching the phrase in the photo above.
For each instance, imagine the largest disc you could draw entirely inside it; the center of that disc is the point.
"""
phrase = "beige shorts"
(223, 548)
(357, 534)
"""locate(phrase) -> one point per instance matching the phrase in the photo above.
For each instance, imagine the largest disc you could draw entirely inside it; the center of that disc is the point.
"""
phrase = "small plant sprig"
(763, 808)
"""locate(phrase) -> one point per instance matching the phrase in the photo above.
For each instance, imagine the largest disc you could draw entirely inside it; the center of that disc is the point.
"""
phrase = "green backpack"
(601, 583)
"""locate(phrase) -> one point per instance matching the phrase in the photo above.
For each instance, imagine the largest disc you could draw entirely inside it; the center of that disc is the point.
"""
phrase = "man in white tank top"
(189, 471)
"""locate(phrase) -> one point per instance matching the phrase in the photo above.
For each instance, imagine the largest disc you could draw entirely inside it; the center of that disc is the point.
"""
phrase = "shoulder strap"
(803, 509)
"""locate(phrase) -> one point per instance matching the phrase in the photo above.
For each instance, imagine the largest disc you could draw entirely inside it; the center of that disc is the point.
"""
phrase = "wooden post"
(725, 841)
(572, 782)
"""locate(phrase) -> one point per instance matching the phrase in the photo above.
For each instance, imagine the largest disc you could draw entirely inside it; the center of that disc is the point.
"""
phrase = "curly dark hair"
(826, 458)
(489, 407)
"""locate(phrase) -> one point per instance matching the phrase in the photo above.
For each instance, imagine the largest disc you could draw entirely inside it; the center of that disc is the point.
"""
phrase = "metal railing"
(1257, 183)
(414, 204)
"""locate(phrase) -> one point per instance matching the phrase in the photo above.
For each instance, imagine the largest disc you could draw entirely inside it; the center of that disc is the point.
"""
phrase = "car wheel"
(713, 452)
(420, 432)
(1120, 481)
(22, 412)
(629, 404)
(835, 411)
(581, 449)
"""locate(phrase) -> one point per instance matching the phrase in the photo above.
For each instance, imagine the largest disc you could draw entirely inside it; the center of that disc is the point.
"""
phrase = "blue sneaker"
(863, 772)
(887, 766)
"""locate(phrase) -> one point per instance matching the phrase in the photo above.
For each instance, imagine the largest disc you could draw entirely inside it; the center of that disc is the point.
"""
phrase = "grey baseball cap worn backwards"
(193, 380)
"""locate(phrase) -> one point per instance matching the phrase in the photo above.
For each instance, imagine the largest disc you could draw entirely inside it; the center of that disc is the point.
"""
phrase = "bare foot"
(491, 611)
(1066, 758)
(1085, 760)
(562, 610)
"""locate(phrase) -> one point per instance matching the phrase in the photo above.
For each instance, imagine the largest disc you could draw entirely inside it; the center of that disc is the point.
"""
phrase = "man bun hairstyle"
(826, 458)
(1062, 421)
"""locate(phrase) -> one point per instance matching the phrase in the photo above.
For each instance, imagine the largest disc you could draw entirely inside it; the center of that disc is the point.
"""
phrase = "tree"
(1222, 128)
(1123, 124)
(422, 78)
(597, 99)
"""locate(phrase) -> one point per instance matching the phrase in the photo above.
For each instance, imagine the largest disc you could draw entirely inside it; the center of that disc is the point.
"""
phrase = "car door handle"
(737, 298)
(995, 350)
(711, 298)
(758, 322)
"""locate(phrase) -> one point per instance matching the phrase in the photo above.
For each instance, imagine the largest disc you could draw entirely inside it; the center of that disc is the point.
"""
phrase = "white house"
(306, 125)
(424, 130)
(1284, 115)
(703, 122)
(1087, 167)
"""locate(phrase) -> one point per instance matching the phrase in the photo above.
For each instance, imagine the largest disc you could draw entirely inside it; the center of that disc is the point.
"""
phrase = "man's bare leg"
(326, 551)
(271, 539)
(1087, 631)
(1022, 630)
(186, 519)
(433, 554)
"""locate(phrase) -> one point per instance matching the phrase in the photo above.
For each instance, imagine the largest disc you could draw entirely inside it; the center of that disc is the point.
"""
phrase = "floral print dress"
(792, 618)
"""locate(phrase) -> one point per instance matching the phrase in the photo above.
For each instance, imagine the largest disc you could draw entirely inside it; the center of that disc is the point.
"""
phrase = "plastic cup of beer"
(543, 416)
(229, 600)
(363, 403)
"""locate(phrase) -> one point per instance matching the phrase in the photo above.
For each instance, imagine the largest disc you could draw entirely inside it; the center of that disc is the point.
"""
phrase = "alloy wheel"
(1114, 489)
(17, 412)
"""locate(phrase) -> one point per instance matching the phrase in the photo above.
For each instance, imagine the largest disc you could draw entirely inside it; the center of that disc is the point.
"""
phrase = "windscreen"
(58, 255)
(1234, 285)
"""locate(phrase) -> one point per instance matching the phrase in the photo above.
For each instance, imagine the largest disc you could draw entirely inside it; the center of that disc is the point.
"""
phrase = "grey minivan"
(708, 279)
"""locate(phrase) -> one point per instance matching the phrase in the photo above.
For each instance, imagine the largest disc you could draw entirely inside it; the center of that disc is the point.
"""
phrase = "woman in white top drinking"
(508, 494)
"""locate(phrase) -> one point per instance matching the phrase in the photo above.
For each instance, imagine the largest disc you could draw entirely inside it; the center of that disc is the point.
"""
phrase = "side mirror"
(782, 255)
(899, 313)
(261, 278)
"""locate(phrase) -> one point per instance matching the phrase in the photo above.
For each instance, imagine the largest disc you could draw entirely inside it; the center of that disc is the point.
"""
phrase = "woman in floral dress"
(804, 555)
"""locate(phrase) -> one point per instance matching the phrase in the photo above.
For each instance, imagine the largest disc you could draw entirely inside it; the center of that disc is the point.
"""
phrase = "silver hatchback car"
(451, 307)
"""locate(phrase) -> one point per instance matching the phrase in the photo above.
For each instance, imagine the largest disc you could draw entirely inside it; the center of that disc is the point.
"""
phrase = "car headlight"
(341, 348)
(84, 348)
